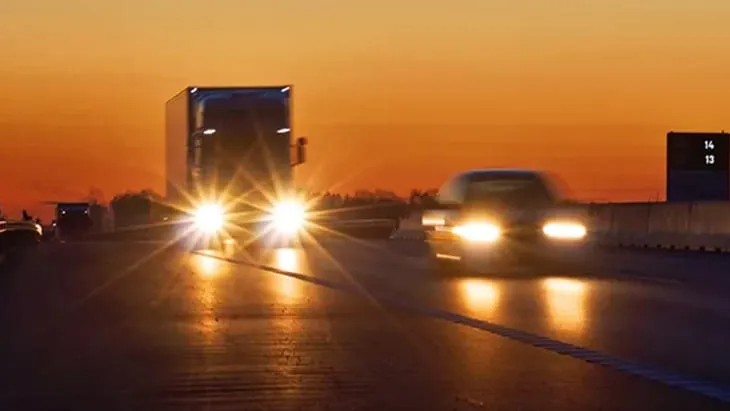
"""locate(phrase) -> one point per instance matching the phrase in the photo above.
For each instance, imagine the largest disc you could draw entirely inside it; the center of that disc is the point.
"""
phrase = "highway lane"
(664, 324)
(702, 270)
(699, 270)
(101, 325)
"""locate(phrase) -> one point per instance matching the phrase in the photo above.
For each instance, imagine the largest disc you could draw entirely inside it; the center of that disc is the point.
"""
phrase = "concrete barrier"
(703, 226)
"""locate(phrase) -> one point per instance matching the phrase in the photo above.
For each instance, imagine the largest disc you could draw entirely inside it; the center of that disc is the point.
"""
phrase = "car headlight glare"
(564, 230)
(478, 232)
(288, 217)
(209, 218)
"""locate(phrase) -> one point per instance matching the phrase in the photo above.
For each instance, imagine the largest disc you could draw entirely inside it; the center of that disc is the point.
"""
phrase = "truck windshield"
(509, 191)
(72, 209)
(250, 139)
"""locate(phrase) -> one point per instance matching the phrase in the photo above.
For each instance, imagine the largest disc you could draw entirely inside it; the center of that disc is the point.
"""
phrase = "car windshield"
(509, 191)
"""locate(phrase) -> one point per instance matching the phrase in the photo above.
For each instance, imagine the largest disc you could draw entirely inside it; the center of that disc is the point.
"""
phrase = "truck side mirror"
(301, 154)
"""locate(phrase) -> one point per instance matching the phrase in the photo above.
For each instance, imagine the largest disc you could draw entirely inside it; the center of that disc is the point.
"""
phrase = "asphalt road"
(358, 325)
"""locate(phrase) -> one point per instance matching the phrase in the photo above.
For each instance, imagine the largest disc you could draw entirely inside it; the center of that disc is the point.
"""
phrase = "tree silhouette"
(132, 208)
(140, 208)
(95, 196)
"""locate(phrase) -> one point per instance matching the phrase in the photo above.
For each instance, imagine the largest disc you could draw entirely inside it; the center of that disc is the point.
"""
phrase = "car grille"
(523, 232)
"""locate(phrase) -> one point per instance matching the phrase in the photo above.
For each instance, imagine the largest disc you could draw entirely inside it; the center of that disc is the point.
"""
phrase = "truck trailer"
(229, 160)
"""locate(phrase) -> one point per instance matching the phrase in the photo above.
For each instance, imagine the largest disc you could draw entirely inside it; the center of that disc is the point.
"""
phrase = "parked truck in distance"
(229, 161)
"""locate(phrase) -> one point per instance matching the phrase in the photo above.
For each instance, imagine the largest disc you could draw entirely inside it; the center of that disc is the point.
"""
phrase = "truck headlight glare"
(288, 217)
(209, 218)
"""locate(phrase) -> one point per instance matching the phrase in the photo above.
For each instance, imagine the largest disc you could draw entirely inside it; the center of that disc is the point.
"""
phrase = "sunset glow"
(408, 91)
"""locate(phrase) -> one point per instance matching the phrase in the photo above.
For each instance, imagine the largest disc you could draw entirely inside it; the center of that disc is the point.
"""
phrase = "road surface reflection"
(288, 259)
(565, 301)
(480, 296)
(209, 270)
(208, 267)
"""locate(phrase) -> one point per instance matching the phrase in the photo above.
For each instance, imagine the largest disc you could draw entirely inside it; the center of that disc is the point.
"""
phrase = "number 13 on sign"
(709, 159)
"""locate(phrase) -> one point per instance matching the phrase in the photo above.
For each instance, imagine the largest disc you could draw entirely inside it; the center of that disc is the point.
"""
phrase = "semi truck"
(229, 165)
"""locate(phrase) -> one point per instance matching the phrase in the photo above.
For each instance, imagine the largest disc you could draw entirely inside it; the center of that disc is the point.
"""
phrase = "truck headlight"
(209, 218)
(478, 232)
(564, 230)
(288, 217)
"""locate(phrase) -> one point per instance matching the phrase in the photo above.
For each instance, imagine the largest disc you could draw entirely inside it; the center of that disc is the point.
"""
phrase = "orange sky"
(395, 94)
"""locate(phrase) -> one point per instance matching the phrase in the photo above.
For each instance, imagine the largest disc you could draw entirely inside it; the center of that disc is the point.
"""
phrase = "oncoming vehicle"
(73, 220)
(229, 166)
(502, 220)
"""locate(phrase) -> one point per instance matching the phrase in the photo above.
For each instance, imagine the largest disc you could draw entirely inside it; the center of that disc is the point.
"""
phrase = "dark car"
(16, 238)
(503, 220)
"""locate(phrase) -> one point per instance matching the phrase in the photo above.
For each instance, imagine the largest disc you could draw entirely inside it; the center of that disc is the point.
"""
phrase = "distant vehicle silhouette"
(72, 220)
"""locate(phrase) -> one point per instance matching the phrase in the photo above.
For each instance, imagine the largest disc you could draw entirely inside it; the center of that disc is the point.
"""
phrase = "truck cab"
(73, 220)
(240, 163)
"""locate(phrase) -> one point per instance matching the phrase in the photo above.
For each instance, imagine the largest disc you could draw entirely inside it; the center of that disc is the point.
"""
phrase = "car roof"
(498, 172)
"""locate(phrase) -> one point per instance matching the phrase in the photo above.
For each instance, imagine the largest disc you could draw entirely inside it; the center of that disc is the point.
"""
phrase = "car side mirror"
(300, 155)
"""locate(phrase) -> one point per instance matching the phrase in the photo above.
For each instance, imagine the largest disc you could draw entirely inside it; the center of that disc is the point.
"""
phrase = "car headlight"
(478, 232)
(431, 218)
(432, 221)
(564, 230)
(288, 217)
(209, 218)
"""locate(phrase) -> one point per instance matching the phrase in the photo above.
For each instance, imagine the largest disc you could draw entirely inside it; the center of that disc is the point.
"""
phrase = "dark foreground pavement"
(112, 326)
